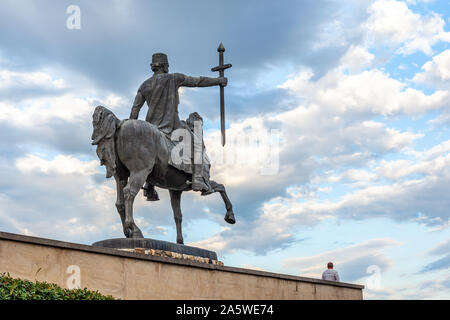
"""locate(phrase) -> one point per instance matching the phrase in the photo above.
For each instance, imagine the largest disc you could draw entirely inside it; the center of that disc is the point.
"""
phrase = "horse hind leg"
(175, 201)
(135, 182)
(229, 216)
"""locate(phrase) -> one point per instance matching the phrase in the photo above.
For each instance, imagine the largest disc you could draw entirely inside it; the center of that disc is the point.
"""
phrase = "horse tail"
(105, 124)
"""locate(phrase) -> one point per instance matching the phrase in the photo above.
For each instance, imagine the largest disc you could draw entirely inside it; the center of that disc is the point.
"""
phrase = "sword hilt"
(222, 67)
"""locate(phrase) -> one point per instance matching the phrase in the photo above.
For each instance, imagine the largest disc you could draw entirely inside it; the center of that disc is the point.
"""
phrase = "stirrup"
(203, 188)
(207, 192)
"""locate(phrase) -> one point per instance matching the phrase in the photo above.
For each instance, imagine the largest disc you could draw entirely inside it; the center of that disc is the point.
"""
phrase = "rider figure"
(161, 94)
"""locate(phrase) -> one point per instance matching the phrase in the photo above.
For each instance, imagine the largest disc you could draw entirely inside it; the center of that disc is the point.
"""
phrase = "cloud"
(56, 199)
(436, 289)
(403, 190)
(435, 72)
(443, 263)
(17, 84)
(329, 137)
(44, 111)
(61, 165)
(356, 58)
(430, 162)
(441, 249)
(280, 33)
(351, 262)
(51, 115)
(370, 92)
(393, 23)
(440, 285)
(420, 198)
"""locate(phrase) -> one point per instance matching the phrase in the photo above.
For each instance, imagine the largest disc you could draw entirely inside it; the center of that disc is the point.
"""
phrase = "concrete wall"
(128, 275)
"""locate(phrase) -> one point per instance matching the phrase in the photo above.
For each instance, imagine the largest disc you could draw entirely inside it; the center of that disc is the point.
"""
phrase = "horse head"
(105, 124)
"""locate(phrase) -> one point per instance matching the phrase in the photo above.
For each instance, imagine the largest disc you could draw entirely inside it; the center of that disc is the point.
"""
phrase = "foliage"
(17, 289)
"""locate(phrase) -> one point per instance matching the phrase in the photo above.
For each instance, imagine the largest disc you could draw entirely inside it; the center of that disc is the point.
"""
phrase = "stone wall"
(131, 275)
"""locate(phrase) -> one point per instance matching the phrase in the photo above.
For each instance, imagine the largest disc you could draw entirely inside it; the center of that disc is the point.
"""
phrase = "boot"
(198, 182)
(199, 185)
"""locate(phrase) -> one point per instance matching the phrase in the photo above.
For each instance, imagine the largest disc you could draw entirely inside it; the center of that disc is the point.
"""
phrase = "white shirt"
(330, 275)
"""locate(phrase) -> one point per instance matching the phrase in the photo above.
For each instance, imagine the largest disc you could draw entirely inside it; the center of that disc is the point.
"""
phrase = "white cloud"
(273, 228)
(39, 79)
(58, 199)
(356, 58)
(436, 71)
(398, 169)
(61, 165)
(393, 23)
(369, 92)
(246, 152)
(45, 110)
(38, 98)
(357, 177)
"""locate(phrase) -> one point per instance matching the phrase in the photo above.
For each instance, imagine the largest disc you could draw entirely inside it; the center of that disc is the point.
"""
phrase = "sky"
(337, 116)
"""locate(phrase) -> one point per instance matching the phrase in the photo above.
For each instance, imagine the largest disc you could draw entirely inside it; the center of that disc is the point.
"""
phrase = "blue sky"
(356, 90)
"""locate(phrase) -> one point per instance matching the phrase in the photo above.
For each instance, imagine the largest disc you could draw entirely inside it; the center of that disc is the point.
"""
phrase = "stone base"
(131, 275)
(152, 244)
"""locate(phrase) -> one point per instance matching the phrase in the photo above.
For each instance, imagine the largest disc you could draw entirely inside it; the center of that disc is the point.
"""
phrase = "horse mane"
(105, 124)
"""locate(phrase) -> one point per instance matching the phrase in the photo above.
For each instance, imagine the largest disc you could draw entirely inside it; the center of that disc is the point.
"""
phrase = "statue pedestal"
(160, 248)
(133, 275)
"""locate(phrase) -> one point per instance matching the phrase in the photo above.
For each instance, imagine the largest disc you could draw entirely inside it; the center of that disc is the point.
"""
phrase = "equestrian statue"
(162, 151)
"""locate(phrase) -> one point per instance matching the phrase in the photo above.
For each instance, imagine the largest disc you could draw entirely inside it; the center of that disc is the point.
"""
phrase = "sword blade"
(221, 67)
(222, 98)
(222, 114)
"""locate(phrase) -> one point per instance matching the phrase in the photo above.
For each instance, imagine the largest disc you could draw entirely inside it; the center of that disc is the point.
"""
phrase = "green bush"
(17, 289)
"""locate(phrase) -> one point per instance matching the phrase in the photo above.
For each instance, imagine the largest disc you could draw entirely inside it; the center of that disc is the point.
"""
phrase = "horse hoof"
(127, 232)
(230, 218)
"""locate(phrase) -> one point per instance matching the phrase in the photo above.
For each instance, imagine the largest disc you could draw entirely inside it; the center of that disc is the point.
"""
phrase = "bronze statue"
(137, 152)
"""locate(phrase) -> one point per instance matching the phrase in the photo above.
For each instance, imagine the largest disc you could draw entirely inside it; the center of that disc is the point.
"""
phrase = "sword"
(221, 67)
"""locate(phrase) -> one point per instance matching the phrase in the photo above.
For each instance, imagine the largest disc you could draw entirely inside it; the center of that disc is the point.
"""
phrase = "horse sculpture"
(134, 151)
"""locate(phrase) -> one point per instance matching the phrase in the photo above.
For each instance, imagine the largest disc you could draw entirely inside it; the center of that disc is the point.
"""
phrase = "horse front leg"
(229, 216)
(175, 201)
(120, 202)
(135, 182)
